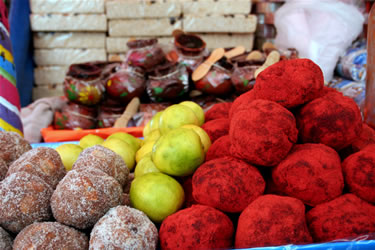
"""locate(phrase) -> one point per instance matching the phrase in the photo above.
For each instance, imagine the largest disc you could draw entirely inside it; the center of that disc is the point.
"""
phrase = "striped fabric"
(9, 97)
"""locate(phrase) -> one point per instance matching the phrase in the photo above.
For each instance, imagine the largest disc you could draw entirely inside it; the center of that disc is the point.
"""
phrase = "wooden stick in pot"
(131, 109)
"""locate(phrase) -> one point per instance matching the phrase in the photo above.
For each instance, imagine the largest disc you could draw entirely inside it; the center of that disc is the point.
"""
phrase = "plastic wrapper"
(125, 83)
(216, 7)
(142, 9)
(118, 44)
(352, 89)
(145, 54)
(47, 90)
(352, 65)
(51, 74)
(51, 40)
(75, 116)
(218, 23)
(68, 22)
(58, 6)
(143, 27)
(217, 81)
(168, 82)
(231, 40)
(108, 115)
(48, 57)
(320, 30)
(84, 84)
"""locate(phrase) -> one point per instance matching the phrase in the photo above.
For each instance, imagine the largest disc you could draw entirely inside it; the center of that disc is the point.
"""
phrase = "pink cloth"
(38, 115)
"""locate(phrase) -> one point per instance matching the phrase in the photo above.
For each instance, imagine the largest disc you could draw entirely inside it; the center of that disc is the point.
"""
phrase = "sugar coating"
(12, 146)
(5, 240)
(3, 169)
(124, 228)
(105, 160)
(43, 162)
(50, 235)
(83, 196)
(241, 102)
(24, 199)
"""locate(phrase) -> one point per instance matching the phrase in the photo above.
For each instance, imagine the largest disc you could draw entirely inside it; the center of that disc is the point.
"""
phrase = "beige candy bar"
(68, 22)
(204, 7)
(48, 40)
(137, 9)
(48, 90)
(50, 74)
(46, 57)
(118, 44)
(67, 6)
(220, 24)
(228, 40)
(143, 27)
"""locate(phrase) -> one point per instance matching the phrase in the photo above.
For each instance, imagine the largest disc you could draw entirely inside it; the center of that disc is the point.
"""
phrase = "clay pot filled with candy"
(191, 50)
(168, 82)
(243, 77)
(144, 53)
(83, 84)
(75, 116)
(125, 83)
(218, 79)
(108, 115)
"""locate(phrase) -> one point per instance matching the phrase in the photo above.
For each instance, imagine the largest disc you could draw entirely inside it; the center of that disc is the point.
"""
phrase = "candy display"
(12, 146)
(108, 115)
(5, 240)
(216, 128)
(218, 110)
(75, 116)
(366, 137)
(144, 53)
(190, 50)
(220, 148)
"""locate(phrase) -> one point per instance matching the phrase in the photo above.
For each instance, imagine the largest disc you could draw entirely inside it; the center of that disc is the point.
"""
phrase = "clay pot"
(75, 116)
(145, 54)
(108, 115)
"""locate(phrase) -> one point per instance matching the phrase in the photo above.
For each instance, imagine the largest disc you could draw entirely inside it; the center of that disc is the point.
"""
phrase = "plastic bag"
(320, 30)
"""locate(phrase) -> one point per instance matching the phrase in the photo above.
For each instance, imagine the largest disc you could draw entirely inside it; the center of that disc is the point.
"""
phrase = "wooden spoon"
(239, 50)
(203, 69)
(131, 109)
(254, 55)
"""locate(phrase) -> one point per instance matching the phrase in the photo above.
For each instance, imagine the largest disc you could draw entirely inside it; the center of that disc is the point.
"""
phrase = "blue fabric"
(21, 38)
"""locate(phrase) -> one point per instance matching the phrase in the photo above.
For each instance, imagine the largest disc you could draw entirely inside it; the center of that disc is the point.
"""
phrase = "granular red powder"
(220, 148)
(197, 227)
(272, 220)
(263, 134)
(216, 128)
(311, 173)
(359, 173)
(344, 217)
(227, 184)
(188, 190)
(241, 102)
(334, 120)
(366, 137)
(218, 111)
(290, 82)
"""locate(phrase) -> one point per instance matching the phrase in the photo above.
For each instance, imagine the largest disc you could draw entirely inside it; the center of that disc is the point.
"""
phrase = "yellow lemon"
(123, 149)
(205, 139)
(157, 195)
(178, 153)
(153, 135)
(198, 111)
(128, 138)
(69, 154)
(90, 140)
(175, 116)
(144, 150)
(145, 166)
(146, 129)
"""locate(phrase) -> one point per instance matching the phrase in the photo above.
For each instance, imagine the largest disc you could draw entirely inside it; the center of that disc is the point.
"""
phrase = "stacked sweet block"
(139, 20)
(65, 32)
(221, 23)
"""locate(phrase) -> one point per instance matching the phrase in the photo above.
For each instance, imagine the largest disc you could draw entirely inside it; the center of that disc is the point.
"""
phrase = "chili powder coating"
(227, 184)
(218, 111)
(290, 83)
(344, 217)
(188, 190)
(197, 227)
(272, 220)
(334, 120)
(359, 169)
(241, 102)
(216, 128)
(366, 137)
(311, 173)
(220, 148)
(263, 134)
